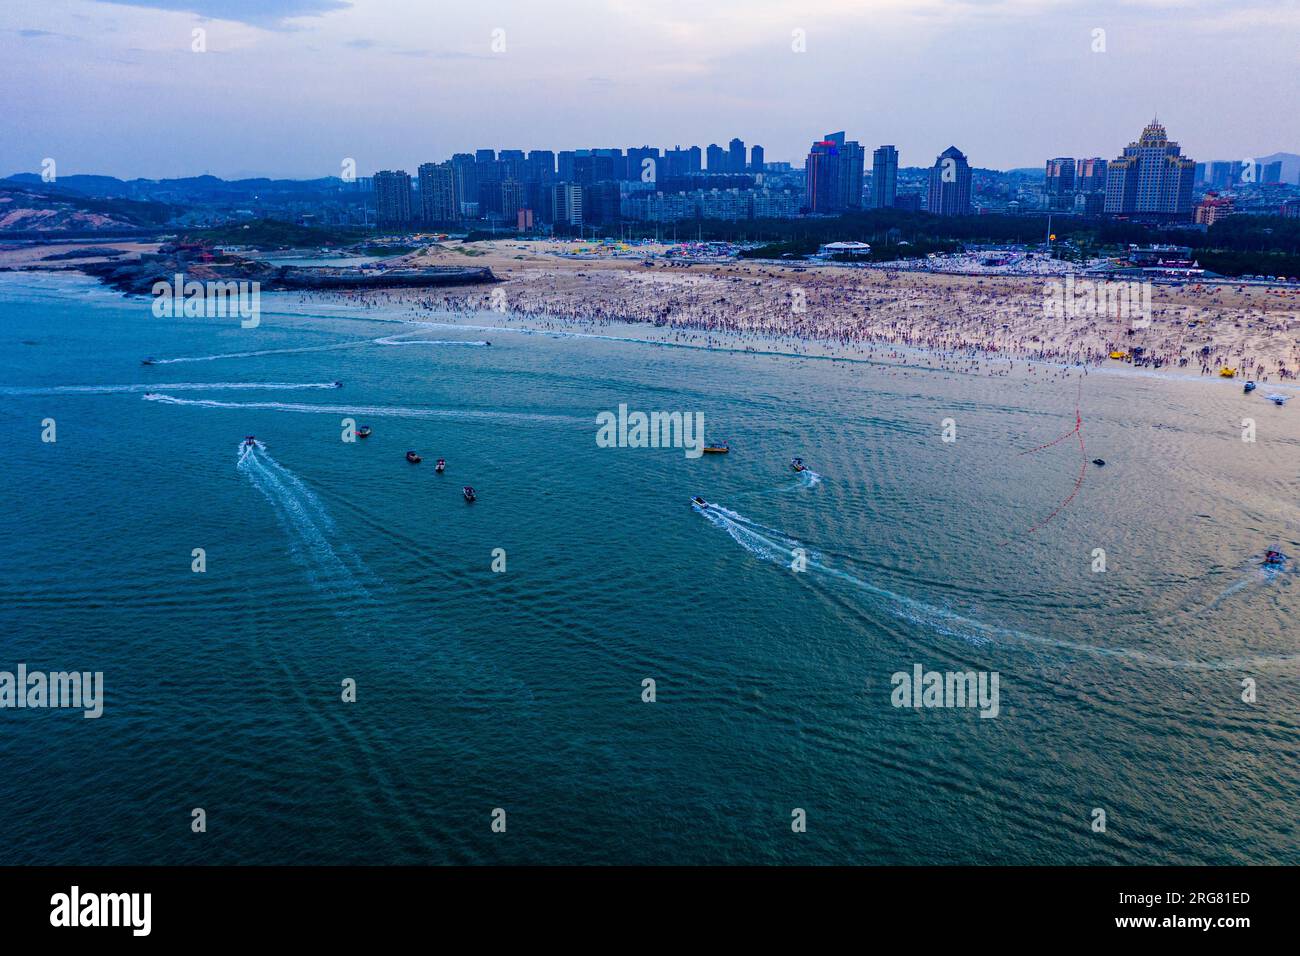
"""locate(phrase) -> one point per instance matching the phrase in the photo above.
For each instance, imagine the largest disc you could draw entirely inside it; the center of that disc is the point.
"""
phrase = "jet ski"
(338, 384)
(149, 361)
(1249, 387)
(469, 493)
(363, 431)
(440, 466)
(1274, 557)
(250, 441)
(413, 458)
(797, 464)
(1278, 400)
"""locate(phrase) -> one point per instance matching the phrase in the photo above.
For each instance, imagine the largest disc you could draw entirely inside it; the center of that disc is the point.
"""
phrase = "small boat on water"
(1249, 387)
(440, 466)
(250, 441)
(1099, 462)
(1228, 372)
(798, 465)
(699, 502)
(721, 448)
(469, 493)
(413, 458)
(149, 361)
(1274, 557)
(338, 384)
(363, 431)
(1278, 399)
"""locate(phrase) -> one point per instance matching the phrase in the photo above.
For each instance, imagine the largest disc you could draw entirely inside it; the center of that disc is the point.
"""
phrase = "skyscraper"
(949, 193)
(717, 159)
(736, 155)
(566, 204)
(466, 180)
(439, 199)
(1090, 175)
(1060, 176)
(884, 177)
(1152, 177)
(756, 161)
(392, 198)
(833, 174)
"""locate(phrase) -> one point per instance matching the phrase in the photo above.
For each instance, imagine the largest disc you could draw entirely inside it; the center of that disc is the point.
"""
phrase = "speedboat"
(1274, 557)
(1250, 387)
(442, 464)
(149, 361)
(797, 464)
(338, 384)
(363, 431)
(469, 493)
(699, 502)
(1099, 462)
(719, 449)
(413, 458)
(250, 441)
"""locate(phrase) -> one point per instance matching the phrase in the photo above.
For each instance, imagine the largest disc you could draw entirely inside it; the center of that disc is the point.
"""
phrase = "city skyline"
(290, 88)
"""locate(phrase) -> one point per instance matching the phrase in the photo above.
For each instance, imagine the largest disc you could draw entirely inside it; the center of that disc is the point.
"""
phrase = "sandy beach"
(974, 323)
(977, 323)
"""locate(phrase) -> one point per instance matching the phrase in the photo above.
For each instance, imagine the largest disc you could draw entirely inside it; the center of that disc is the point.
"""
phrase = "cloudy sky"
(292, 87)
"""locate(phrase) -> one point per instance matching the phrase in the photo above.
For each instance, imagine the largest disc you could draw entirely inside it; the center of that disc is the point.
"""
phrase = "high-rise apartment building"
(392, 198)
(950, 179)
(439, 199)
(1152, 177)
(884, 177)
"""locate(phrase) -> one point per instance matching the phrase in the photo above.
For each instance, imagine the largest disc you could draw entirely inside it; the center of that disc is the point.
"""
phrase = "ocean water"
(1119, 690)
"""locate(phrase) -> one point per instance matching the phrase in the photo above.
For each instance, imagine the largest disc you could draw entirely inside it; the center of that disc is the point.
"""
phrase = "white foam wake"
(234, 355)
(769, 544)
(402, 340)
(171, 386)
(375, 411)
(330, 566)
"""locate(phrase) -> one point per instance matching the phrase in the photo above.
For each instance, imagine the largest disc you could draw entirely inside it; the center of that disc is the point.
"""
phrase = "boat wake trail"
(402, 340)
(331, 567)
(171, 386)
(1255, 577)
(235, 355)
(775, 546)
(375, 411)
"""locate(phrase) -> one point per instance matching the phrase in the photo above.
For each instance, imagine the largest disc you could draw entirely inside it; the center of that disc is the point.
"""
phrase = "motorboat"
(338, 384)
(719, 449)
(1249, 387)
(699, 502)
(363, 431)
(250, 441)
(1099, 462)
(469, 493)
(413, 458)
(797, 464)
(149, 361)
(440, 466)
(1278, 399)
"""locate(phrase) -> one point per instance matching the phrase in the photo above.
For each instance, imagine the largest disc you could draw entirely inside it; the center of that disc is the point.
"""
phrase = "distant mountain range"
(194, 188)
(1290, 165)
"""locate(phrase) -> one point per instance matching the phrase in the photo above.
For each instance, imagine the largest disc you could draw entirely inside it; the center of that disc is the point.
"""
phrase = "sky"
(293, 88)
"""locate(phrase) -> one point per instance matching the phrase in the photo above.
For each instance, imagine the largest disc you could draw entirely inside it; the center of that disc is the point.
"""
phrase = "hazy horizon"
(289, 88)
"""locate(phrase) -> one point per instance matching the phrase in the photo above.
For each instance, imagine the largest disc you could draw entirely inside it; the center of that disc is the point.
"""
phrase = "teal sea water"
(522, 690)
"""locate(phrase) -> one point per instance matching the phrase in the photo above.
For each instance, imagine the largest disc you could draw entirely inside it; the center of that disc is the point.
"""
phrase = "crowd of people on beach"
(964, 324)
